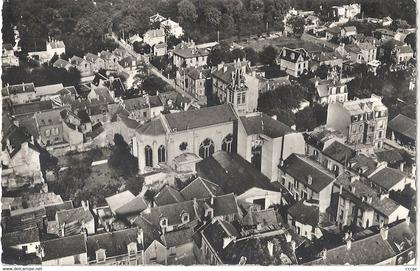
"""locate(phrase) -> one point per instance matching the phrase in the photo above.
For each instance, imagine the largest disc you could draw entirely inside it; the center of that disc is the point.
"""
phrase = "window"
(148, 155)
(161, 154)
(380, 134)
(227, 143)
(144, 114)
(100, 255)
(303, 195)
(316, 153)
(296, 184)
(163, 222)
(230, 100)
(47, 132)
(341, 215)
(185, 218)
(206, 148)
(283, 181)
(238, 98)
(183, 146)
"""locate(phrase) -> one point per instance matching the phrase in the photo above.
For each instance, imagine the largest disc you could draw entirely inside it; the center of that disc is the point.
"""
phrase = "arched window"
(227, 143)
(206, 148)
(161, 154)
(148, 155)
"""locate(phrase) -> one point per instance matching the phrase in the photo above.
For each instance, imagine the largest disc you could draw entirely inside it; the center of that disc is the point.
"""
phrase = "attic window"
(163, 222)
(185, 218)
(100, 255)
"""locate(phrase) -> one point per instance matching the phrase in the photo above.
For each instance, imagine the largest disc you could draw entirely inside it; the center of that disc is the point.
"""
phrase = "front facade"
(188, 55)
(294, 61)
(364, 121)
(50, 127)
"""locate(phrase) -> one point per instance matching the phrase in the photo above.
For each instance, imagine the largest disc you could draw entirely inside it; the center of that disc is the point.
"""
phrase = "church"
(190, 136)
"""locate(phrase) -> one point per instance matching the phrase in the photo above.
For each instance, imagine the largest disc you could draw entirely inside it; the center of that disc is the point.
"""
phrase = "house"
(173, 28)
(26, 241)
(75, 221)
(144, 108)
(306, 179)
(121, 247)
(154, 36)
(386, 21)
(173, 101)
(345, 11)
(189, 55)
(51, 211)
(364, 121)
(69, 250)
(347, 31)
(50, 127)
(304, 218)
(128, 62)
(330, 91)
(387, 179)
(294, 61)
(157, 18)
(195, 81)
(111, 60)
(8, 58)
(236, 175)
(355, 203)
(82, 65)
(234, 83)
(96, 61)
(119, 200)
(389, 245)
(402, 53)
(164, 138)
(62, 64)
(332, 59)
(20, 93)
(53, 47)
(201, 188)
(264, 141)
(402, 130)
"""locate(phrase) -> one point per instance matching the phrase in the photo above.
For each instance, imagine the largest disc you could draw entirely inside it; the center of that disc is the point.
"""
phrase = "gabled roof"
(51, 210)
(387, 177)
(167, 195)
(363, 164)
(177, 238)
(73, 215)
(292, 55)
(64, 247)
(201, 188)
(50, 117)
(118, 200)
(264, 124)
(222, 205)
(403, 125)
(225, 72)
(305, 212)
(339, 152)
(134, 206)
(114, 243)
(300, 167)
(232, 173)
(20, 88)
(264, 217)
(389, 156)
(190, 52)
(139, 103)
(154, 33)
(202, 117)
(153, 127)
(48, 89)
(27, 236)
(61, 63)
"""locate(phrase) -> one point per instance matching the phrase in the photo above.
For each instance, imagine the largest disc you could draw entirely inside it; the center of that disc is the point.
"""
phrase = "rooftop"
(263, 124)
(387, 177)
(403, 125)
(63, 247)
(201, 188)
(118, 200)
(339, 152)
(305, 212)
(168, 195)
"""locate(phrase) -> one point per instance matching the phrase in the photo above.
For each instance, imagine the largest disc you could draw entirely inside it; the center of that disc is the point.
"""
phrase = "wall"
(337, 118)
(155, 250)
(271, 197)
(26, 161)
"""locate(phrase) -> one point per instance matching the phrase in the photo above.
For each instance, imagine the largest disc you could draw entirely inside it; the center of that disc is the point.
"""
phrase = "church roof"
(153, 127)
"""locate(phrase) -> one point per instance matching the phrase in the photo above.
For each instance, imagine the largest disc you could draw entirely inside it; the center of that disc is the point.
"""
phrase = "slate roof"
(139, 103)
(222, 205)
(27, 236)
(51, 210)
(150, 231)
(232, 173)
(300, 167)
(61, 63)
(403, 125)
(115, 243)
(153, 127)
(339, 152)
(118, 200)
(264, 124)
(168, 195)
(190, 52)
(196, 72)
(30, 108)
(91, 57)
(263, 217)
(134, 206)
(72, 215)
(201, 188)
(64, 247)
(51, 117)
(177, 238)
(363, 164)
(305, 213)
(297, 53)
(202, 117)
(130, 123)
(387, 177)
(225, 73)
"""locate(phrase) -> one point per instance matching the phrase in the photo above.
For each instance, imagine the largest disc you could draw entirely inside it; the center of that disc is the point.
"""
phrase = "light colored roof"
(118, 200)
(48, 89)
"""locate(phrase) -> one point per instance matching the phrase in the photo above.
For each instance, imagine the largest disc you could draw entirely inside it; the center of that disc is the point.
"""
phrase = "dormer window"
(100, 255)
(163, 222)
(185, 218)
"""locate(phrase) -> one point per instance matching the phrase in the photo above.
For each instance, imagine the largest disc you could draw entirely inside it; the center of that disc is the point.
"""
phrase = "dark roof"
(115, 243)
(201, 188)
(21, 88)
(387, 177)
(72, 215)
(216, 231)
(7, 46)
(339, 152)
(51, 210)
(402, 236)
(117, 200)
(300, 167)
(305, 213)
(389, 156)
(28, 108)
(134, 206)
(168, 195)
(264, 217)
(225, 73)
(139, 103)
(264, 124)
(153, 127)
(64, 247)
(84, 116)
(20, 237)
(177, 238)
(232, 173)
(150, 231)
(202, 117)
(222, 205)
(363, 164)
(190, 52)
(403, 125)
(286, 54)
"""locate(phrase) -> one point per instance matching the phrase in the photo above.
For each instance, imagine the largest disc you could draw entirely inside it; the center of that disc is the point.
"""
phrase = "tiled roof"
(177, 238)
(201, 188)
(264, 217)
(389, 156)
(387, 177)
(91, 57)
(403, 125)
(202, 117)
(130, 123)
(292, 55)
(154, 127)
(300, 167)
(64, 247)
(264, 124)
(305, 213)
(232, 173)
(72, 215)
(225, 72)
(190, 52)
(167, 195)
(118, 200)
(20, 237)
(51, 210)
(51, 117)
(114, 243)
(222, 205)
(339, 152)
(363, 164)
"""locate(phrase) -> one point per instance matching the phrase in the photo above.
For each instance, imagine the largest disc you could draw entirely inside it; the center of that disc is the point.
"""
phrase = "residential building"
(364, 121)
(75, 221)
(306, 179)
(82, 65)
(20, 93)
(348, 31)
(330, 91)
(157, 18)
(304, 218)
(234, 83)
(402, 54)
(143, 108)
(26, 241)
(62, 64)
(53, 47)
(111, 60)
(96, 61)
(386, 179)
(294, 61)
(402, 130)
(189, 55)
(195, 81)
(384, 34)
(154, 36)
(50, 127)
(345, 11)
(174, 28)
(70, 250)
(8, 58)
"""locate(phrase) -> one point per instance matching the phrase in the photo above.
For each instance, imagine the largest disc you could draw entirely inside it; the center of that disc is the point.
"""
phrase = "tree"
(187, 11)
(268, 55)
(399, 23)
(213, 16)
(322, 71)
(218, 54)
(53, 59)
(251, 55)
(410, 39)
(298, 25)
(284, 97)
(236, 53)
(121, 159)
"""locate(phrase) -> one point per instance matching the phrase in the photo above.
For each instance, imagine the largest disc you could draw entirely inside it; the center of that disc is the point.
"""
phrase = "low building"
(96, 61)
(62, 64)
(53, 47)
(8, 58)
(386, 179)
(402, 130)
(294, 61)
(75, 221)
(195, 81)
(70, 250)
(189, 55)
(174, 28)
(20, 93)
(304, 218)
(154, 36)
(402, 54)
(82, 65)
(330, 91)
(50, 127)
(26, 241)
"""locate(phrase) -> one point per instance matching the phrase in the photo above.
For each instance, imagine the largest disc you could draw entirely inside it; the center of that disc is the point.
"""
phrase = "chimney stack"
(288, 237)
(384, 232)
(140, 236)
(270, 247)
(402, 166)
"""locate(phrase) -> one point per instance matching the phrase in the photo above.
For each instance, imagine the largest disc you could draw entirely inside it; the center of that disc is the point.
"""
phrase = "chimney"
(212, 201)
(288, 237)
(224, 68)
(341, 189)
(324, 254)
(62, 229)
(348, 243)
(407, 220)
(402, 166)
(140, 236)
(384, 232)
(270, 247)
(293, 244)
(353, 189)
(383, 195)
(369, 199)
(309, 179)
(281, 162)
